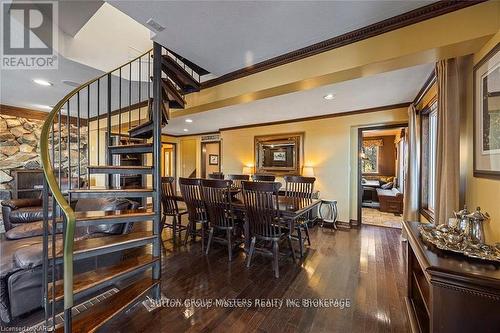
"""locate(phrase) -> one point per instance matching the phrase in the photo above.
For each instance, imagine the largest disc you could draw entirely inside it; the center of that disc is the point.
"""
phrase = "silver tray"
(445, 238)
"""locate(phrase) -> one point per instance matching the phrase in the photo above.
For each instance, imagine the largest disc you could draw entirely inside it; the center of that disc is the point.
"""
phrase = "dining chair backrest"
(299, 187)
(238, 179)
(191, 193)
(216, 175)
(168, 196)
(261, 207)
(217, 198)
(263, 178)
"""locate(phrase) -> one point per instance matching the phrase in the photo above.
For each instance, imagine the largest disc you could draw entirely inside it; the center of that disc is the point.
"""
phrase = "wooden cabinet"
(447, 292)
(28, 183)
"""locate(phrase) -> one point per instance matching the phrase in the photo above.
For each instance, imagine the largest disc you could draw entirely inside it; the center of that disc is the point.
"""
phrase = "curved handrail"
(54, 186)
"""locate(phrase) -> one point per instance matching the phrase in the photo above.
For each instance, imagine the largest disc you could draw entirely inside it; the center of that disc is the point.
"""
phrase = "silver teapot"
(475, 229)
(462, 220)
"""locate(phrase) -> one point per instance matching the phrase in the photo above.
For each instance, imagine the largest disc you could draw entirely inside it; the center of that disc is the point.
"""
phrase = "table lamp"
(307, 171)
(247, 170)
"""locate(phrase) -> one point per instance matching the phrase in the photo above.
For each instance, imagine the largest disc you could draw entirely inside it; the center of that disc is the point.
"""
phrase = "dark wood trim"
(360, 171)
(325, 116)
(427, 214)
(481, 173)
(425, 88)
(397, 22)
(16, 111)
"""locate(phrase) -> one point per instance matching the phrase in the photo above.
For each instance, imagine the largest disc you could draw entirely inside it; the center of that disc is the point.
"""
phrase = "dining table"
(290, 209)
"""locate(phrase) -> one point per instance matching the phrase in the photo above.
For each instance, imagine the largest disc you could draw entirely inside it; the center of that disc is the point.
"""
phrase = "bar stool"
(329, 213)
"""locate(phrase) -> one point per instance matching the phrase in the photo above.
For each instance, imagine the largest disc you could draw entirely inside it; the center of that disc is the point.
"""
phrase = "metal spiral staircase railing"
(134, 98)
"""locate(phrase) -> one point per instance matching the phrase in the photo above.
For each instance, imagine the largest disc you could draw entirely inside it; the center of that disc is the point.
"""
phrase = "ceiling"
(388, 88)
(223, 36)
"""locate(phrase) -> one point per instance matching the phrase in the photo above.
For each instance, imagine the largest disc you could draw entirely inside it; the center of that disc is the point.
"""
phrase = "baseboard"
(342, 224)
(354, 223)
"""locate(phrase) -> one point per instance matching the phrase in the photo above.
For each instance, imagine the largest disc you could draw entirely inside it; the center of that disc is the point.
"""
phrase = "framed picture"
(213, 159)
(487, 115)
(279, 156)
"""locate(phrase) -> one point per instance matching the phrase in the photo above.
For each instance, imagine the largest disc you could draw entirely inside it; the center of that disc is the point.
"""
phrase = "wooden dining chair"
(192, 193)
(216, 175)
(263, 178)
(221, 218)
(300, 187)
(238, 179)
(263, 218)
(171, 208)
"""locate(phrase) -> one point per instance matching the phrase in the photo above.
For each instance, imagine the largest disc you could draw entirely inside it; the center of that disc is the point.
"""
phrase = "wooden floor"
(363, 265)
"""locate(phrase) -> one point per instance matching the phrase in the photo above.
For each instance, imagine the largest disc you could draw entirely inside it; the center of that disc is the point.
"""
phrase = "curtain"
(411, 211)
(368, 143)
(448, 139)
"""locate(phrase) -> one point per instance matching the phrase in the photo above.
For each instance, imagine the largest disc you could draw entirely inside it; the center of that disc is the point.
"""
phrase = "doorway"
(168, 151)
(382, 159)
(210, 158)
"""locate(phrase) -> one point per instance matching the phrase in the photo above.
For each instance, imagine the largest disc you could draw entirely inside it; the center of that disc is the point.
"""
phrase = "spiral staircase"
(110, 109)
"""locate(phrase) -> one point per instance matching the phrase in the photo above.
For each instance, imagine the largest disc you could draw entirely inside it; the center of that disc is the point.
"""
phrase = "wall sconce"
(247, 170)
(307, 171)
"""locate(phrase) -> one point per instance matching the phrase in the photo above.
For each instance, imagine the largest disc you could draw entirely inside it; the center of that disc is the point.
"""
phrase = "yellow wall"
(481, 191)
(330, 146)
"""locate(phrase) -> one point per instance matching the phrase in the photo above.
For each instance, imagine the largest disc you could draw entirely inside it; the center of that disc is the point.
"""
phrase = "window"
(370, 159)
(429, 151)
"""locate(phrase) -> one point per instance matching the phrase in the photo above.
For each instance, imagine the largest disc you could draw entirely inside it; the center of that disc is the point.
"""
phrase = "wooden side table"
(327, 211)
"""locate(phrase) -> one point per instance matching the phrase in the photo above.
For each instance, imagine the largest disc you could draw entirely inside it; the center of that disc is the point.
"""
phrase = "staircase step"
(113, 216)
(103, 277)
(98, 315)
(131, 149)
(179, 75)
(143, 131)
(176, 101)
(86, 248)
(111, 193)
(120, 169)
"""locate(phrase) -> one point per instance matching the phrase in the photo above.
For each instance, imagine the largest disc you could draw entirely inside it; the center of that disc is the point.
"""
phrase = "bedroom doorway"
(381, 174)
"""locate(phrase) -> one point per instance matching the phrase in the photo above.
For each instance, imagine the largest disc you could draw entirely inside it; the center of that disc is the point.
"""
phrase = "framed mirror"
(279, 154)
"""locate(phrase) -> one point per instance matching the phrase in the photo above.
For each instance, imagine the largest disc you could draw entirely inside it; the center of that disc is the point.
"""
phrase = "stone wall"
(19, 148)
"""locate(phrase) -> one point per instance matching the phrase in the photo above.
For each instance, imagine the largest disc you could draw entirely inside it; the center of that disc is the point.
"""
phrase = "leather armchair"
(21, 211)
(21, 289)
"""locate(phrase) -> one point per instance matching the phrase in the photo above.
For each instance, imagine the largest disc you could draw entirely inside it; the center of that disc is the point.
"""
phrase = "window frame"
(377, 171)
(425, 159)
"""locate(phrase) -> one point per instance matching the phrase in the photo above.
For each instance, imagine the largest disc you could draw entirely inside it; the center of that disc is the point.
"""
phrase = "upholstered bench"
(391, 200)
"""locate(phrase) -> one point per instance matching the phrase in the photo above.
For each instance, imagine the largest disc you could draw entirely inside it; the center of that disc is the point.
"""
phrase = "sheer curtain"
(411, 210)
(450, 92)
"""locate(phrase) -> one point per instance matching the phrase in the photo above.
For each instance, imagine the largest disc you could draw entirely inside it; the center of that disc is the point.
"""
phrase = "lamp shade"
(308, 171)
(247, 170)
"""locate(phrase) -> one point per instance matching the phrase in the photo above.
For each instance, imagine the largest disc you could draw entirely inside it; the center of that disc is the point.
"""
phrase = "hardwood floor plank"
(364, 265)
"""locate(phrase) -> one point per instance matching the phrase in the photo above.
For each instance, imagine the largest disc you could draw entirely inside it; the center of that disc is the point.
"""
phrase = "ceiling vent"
(155, 25)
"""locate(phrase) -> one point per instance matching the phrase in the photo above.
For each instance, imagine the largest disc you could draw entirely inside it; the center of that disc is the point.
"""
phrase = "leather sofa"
(18, 212)
(21, 289)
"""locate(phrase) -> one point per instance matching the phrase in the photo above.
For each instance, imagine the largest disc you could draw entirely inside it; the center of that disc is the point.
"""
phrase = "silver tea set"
(463, 234)
(471, 225)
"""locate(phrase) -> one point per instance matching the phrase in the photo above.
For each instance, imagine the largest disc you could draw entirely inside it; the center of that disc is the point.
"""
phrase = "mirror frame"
(297, 138)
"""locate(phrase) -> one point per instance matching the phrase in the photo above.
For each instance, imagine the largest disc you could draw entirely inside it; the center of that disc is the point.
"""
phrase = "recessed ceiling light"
(329, 97)
(42, 82)
(185, 130)
(189, 120)
(45, 107)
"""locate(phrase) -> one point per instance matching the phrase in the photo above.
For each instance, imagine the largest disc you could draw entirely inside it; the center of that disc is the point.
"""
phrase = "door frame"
(203, 168)
(174, 155)
(358, 153)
